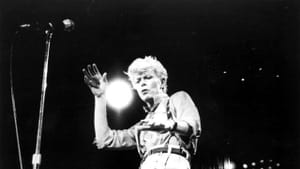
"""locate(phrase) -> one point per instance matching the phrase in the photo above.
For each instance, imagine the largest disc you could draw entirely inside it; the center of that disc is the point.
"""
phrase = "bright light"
(118, 94)
(229, 164)
(245, 166)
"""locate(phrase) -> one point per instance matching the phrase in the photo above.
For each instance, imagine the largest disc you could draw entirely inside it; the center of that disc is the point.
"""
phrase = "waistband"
(171, 150)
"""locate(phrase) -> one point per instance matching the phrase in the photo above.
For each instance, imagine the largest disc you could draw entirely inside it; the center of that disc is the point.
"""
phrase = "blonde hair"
(148, 63)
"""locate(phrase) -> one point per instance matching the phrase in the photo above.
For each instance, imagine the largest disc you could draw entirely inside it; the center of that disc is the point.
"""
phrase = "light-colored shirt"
(178, 106)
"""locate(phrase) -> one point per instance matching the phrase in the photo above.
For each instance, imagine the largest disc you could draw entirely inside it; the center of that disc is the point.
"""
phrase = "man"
(168, 134)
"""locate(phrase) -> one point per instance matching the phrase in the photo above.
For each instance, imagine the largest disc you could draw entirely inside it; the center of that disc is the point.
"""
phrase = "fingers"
(86, 73)
(104, 77)
(92, 76)
(90, 70)
(95, 69)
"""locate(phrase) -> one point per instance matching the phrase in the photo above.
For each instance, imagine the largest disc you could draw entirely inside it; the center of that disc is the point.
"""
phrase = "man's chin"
(146, 98)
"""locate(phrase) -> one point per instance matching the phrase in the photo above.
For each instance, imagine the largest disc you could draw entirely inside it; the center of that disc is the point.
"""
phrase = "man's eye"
(137, 81)
(148, 77)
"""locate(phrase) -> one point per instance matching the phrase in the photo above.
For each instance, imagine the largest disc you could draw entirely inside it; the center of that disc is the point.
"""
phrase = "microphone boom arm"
(36, 158)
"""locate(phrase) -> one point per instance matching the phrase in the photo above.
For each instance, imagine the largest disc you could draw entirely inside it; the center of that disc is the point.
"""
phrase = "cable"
(14, 103)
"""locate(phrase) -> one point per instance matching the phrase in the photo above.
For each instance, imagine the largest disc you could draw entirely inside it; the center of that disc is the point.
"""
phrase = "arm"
(104, 136)
(187, 114)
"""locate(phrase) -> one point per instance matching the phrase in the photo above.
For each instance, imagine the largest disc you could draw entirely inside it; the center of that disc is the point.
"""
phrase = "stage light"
(242, 79)
(253, 164)
(245, 166)
(118, 94)
(229, 164)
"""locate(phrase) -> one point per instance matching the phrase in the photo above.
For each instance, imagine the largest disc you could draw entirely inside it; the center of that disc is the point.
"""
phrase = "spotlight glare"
(118, 94)
(245, 166)
(229, 164)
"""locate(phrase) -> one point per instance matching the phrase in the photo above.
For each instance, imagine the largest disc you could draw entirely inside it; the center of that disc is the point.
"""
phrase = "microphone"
(66, 25)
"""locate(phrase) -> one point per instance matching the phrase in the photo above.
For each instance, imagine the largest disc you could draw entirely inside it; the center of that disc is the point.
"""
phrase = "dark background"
(197, 40)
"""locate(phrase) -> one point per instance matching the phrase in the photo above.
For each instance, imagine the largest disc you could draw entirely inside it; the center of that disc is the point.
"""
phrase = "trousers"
(165, 161)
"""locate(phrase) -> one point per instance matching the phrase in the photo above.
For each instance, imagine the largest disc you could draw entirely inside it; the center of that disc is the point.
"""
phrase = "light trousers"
(165, 161)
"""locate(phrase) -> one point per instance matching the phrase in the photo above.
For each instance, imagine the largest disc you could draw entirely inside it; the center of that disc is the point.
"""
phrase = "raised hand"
(94, 80)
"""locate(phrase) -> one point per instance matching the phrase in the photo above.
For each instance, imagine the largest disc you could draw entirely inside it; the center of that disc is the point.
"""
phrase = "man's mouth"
(144, 91)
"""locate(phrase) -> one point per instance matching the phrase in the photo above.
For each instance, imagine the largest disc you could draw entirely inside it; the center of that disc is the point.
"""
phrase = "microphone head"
(68, 24)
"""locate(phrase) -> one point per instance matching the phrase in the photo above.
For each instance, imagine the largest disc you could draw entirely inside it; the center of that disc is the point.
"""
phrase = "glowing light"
(229, 164)
(118, 94)
(245, 166)
(253, 164)
(277, 164)
(260, 69)
(224, 72)
(242, 79)
(277, 76)
(261, 161)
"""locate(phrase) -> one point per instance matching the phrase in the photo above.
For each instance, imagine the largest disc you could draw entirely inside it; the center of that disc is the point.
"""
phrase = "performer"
(167, 136)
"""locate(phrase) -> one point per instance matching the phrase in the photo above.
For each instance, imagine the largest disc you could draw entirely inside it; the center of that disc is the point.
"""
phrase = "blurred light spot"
(260, 69)
(253, 163)
(242, 79)
(269, 167)
(277, 164)
(118, 94)
(224, 72)
(277, 76)
(245, 166)
(229, 164)
(261, 161)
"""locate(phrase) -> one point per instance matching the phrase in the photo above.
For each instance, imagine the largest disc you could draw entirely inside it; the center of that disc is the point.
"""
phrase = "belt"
(169, 149)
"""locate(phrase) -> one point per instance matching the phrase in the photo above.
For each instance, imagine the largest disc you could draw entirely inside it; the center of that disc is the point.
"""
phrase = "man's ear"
(163, 81)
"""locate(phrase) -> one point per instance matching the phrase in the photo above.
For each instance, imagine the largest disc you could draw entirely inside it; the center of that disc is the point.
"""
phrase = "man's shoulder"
(179, 95)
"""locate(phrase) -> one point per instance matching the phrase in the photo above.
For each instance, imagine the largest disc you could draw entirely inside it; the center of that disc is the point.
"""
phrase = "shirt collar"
(153, 108)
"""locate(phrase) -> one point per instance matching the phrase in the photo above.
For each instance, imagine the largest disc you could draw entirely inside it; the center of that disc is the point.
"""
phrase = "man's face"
(147, 85)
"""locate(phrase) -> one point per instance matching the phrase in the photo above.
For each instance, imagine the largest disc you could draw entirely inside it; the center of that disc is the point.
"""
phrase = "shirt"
(178, 106)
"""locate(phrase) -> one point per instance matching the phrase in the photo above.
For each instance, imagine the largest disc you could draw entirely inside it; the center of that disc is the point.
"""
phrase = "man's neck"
(152, 103)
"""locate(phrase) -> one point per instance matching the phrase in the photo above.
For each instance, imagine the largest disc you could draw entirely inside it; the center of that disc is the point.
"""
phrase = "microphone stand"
(36, 157)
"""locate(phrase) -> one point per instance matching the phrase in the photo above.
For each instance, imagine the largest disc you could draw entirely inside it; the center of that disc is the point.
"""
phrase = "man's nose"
(143, 83)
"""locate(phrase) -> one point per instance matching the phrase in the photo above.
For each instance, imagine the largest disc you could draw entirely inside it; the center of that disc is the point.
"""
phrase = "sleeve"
(105, 137)
(186, 110)
(117, 139)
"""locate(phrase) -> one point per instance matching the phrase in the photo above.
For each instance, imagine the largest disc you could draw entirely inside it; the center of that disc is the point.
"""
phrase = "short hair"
(148, 63)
